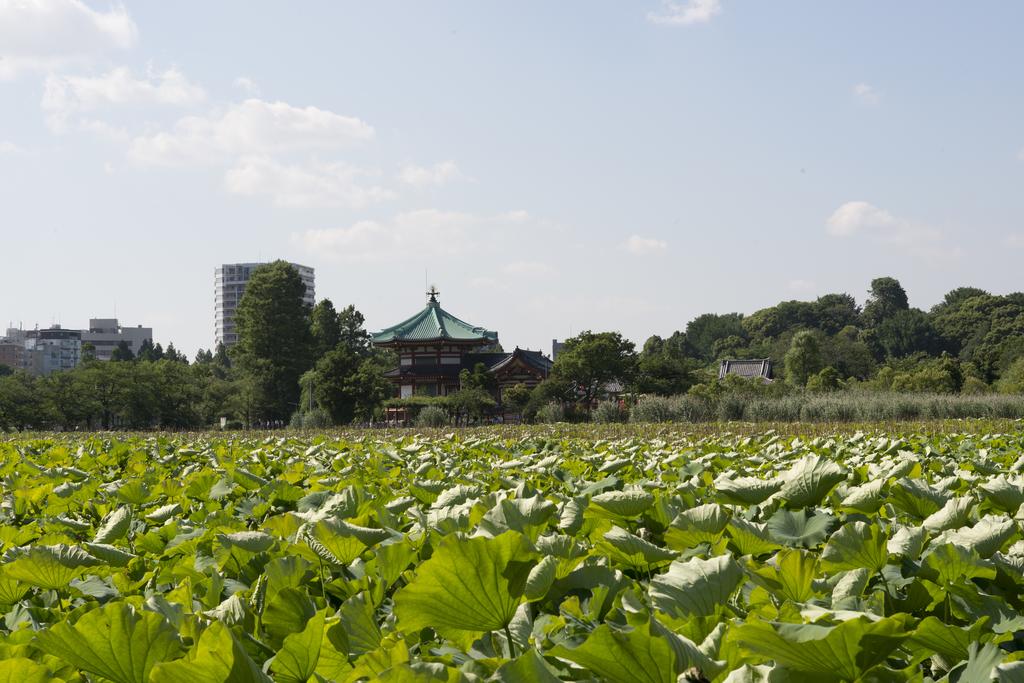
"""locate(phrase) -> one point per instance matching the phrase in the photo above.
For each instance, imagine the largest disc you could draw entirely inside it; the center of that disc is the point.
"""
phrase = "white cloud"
(411, 235)
(862, 219)
(855, 217)
(248, 85)
(41, 35)
(1020, 154)
(250, 127)
(642, 246)
(867, 94)
(436, 175)
(66, 96)
(7, 147)
(685, 13)
(312, 185)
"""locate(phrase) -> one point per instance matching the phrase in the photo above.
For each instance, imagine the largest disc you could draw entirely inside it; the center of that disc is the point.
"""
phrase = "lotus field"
(513, 556)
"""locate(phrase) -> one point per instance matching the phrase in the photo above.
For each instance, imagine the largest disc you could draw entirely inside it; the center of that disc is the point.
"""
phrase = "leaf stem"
(511, 644)
(323, 586)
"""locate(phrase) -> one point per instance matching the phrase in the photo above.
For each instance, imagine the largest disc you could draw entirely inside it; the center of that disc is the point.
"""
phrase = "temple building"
(434, 346)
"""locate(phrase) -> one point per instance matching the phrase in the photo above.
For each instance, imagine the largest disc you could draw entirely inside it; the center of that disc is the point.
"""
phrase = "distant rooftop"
(433, 323)
(749, 368)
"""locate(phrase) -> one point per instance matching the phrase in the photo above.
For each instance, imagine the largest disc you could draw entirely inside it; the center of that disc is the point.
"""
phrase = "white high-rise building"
(228, 286)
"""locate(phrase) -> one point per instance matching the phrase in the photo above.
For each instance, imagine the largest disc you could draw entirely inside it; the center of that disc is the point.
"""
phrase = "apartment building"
(229, 285)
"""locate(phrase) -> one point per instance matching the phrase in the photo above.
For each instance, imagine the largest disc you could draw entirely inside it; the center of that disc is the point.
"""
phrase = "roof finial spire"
(432, 295)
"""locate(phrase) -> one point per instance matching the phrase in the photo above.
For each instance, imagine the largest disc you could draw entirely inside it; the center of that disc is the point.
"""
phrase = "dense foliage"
(971, 342)
(513, 556)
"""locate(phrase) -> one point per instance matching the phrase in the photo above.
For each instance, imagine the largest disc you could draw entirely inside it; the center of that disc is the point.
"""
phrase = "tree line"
(289, 356)
(315, 366)
(971, 342)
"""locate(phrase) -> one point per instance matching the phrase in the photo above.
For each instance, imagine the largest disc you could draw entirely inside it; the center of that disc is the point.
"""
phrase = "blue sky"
(552, 167)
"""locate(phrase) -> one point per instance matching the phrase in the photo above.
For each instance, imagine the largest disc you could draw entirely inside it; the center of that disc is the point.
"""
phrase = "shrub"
(432, 416)
(318, 418)
(826, 380)
(551, 413)
(653, 409)
(830, 408)
(783, 409)
(730, 407)
(975, 386)
(609, 411)
(1012, 379)
(296, 420)
(693, 409)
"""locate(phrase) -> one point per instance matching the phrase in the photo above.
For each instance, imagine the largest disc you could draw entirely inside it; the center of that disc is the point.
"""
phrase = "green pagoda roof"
(434, 323)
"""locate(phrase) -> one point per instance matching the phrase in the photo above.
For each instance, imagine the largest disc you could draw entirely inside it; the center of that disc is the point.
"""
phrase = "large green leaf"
(696, 587)
(287, 613)
(631, 550)
(746, 490)
(333, 663)
(297, 659)
(631, 503)
(916, 497)
(114, 527)
(952, 643)
(1005, 494)
(637, 655)
(949, 563)
(799, 528)
(343, 542)
(360, 624)
(471, 584)
(700, 524)
(114, 641)
(48, 566)
(984, 538)
(520, 514)
(22, 670)
(864, 498)
(751, 538)
(529, 667)
(952, 515)
(831, 653)
(217, 658)
(791, 575)
(810, 480)
(856, 545)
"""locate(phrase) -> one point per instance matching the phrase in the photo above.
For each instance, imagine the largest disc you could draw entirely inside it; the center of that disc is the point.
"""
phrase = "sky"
(550, 166)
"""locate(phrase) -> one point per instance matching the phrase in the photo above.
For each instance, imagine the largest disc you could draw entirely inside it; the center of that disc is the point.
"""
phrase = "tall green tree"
(703, 331)
(220, 357)
(172, 354)
(122, 352)
(346, 385)
(274, 344)
(324, 327)
(590, 361)
(663, 368)
(908, 332)
(146, 351)
(353, 332)
(803, 358)
(886, 298)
